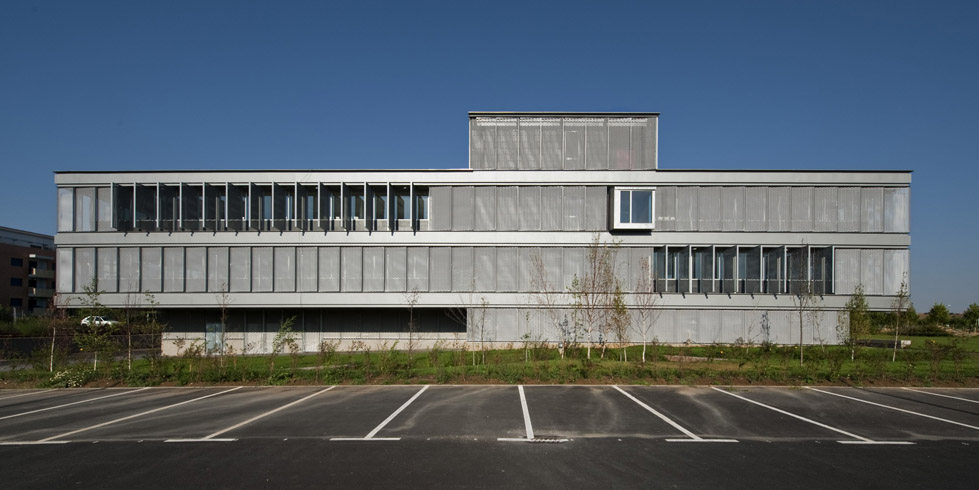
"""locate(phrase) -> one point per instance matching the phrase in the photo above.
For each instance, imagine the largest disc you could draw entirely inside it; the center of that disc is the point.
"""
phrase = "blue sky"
(757, 85)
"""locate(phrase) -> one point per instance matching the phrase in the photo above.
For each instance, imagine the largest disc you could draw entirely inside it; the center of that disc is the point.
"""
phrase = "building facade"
(344, 253)
(28, 271)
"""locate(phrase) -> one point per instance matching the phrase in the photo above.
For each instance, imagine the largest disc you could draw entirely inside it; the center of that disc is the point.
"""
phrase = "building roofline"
(25, 232)
(465, 170)
(558, 113)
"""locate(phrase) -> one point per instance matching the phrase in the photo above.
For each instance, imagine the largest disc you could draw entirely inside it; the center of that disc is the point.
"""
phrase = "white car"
(97, 321)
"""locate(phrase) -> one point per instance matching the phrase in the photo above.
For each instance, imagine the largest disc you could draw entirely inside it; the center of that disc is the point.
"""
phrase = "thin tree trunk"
(54, 335)
(644, 352)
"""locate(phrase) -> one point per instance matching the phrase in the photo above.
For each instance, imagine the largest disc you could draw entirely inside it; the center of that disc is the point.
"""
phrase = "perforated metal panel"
(484, 261)
(85, 209)
(553, 258)
(108, 266)
(195, 269)
(440, 266)
(574, 264)
(482, 152)
(574, 144)
(551, 214)
(895, 270)
(440, 208)
(418, 269)
(285, 269)
(173, 269)
(756, 208)
(462, 208)
(530, 144)
(508, 139)
(802, 209)
(506, 209)
(104, 209)
(526, 270)
(596, 208)
(462, 268)
(847, 269)
(506, 269)
(84, 268)
(261, 269)
(552, 144)
(351, 267)
(240, 269)
(66, 205)
(574, 208)
(530, 208)
(732, 209)
(779, 208)
(128, 269)
(507, 324)
(872, 271)
(848, 199)
(896, 209)
(825, 211)
(709, 209)
(666, 208)
(649, 144)
(150, 265)
(640, 259)
(217, 269)
(686, 208)
(395, 268)
(596, 144)
(872, 209)
(373, 269)
(306, 269)
(485, 199)
(329, 269)
(619, 151)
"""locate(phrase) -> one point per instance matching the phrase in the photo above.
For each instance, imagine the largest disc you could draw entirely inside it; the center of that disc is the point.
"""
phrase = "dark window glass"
(16, 281)
(16, 262)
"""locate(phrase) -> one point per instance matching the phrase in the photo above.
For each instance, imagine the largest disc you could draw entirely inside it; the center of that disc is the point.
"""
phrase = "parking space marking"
(25, 394)
(70, 404)
(691, 436)
(527, 425)
(213, 437)
(370, 435)
(859, 439)
(895, 408)
(941, 395)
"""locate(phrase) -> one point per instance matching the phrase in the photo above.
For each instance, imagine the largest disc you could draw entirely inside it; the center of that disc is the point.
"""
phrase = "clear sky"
(123, 85)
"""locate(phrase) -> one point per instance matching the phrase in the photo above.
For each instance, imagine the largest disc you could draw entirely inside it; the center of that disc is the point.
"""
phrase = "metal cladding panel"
(780, 325)
(66, 205)
(285, 269)
(574, 144)
(847, 268)
(639, 145)
(527, 269)
(462, 208)
(574, 264)
(395, 268)
(619, 146)
(666, 208)
(552, 144)
(462, 268)
(106, 259)
(306, 268)
(104, 209)
(482, 149)
(484, 262)
(872, 271)
(826, 215)
(530, 208)
(649, 147)
(551, 213)
(756, 208)
(779, 208)
(418, 267)
(685, 325)
(506, 209)
(261, 269)
(529, 144)
(506, 269)
(351, 266)
(732, 209)
(507, 324)
(84, 268)
(173, 269)
(872, 209)
(441, 209)
(596, 208)
(373, 269)
(709, 209)
(85, 209)
(240, 269)
(329, 269)
(440, 266)
(508, 141)
(485, 199)
(709, 327)
(217, 269)
(639, 264)
(195, 269)
(896, 208)
(732, 327)
(596, 145)
(686, 208)
(848, 199)
(150, 269)
(574, 208)
(802, 209)
(553, 259)
(620, 266)
(895, 270)
(128, 269)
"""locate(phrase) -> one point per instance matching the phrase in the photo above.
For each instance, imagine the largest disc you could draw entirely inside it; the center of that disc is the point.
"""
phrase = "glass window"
(634, 208)
(16, 262)
(642, 206)
(421, 198)
(380, 206)
(16, 281)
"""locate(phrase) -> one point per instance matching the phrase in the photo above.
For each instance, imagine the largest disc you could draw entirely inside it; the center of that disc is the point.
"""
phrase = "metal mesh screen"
(482, 150)
(666, 208)
(702, 272)
(329, 269)
(195, 272)
(462, 268)
(440, 266)
(285, 269)
(732, 209)
(506, 269)
(848, 199)
(824, 209)
(104, 209)
(217, 269)
(441, 208)
(306, 269)
(462, 208)
(872, 209)
(638, 143)
(596, 208)
(507, 324)
(802, 209)
(552, 155)
(150, 262)
(574, 144)
(526, 269)
(709, 209)
(872, 271)
(509, 140)
(686, 208)
(66, 204)
(373, 269)
(485, 198)
(240, 269)
(108, 269)
(895, 270)
(779, 208)
(530, 144)
(84, 268)
(554, 265)
(619, 147)
(484, 262)
(395, 268)
(530, 212)
(847, 270)
(756, 208)
(798, 269)
(506, 209)
(574, 264)
(173, 269)
(596, 144)
(896, 209)
(261, 269)
(551, 201)
(351, 265)
(574, 208)
(640, 260)
(418, 269)
(649, 144)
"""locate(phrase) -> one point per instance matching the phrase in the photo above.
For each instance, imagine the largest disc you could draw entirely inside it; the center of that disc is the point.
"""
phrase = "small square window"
(16, 281)
(634, 208)
(16, 302)
(16, 262)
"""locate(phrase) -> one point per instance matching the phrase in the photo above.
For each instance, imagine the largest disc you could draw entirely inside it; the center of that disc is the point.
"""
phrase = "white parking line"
(897, 409)
(370, 435)
(941, 395)
(692, 437)
(70, 404)
(859, 439)
(25, 394)
(212, 437)
(527, 425)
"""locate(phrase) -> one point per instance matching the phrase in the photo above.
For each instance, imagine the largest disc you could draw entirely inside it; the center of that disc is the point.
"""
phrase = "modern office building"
(28, 271)
(345, 252)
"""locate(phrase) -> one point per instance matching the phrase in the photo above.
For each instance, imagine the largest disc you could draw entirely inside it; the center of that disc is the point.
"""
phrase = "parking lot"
(375, 425)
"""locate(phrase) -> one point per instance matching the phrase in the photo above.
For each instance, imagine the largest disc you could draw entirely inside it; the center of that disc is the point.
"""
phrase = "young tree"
(858, 319)
(620, 321)
(971, 317)
(806, 303)
(411, 299)
(594, 291)
(938, 314)
(646, 299)
(94, 335)
(901, 302)
(550, 300)
(284, 339)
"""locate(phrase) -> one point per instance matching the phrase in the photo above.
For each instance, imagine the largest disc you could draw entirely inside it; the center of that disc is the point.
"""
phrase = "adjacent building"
(27, 262)
(344, 253)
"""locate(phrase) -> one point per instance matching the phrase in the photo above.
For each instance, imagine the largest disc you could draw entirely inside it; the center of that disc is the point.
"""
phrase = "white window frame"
(617, 223)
